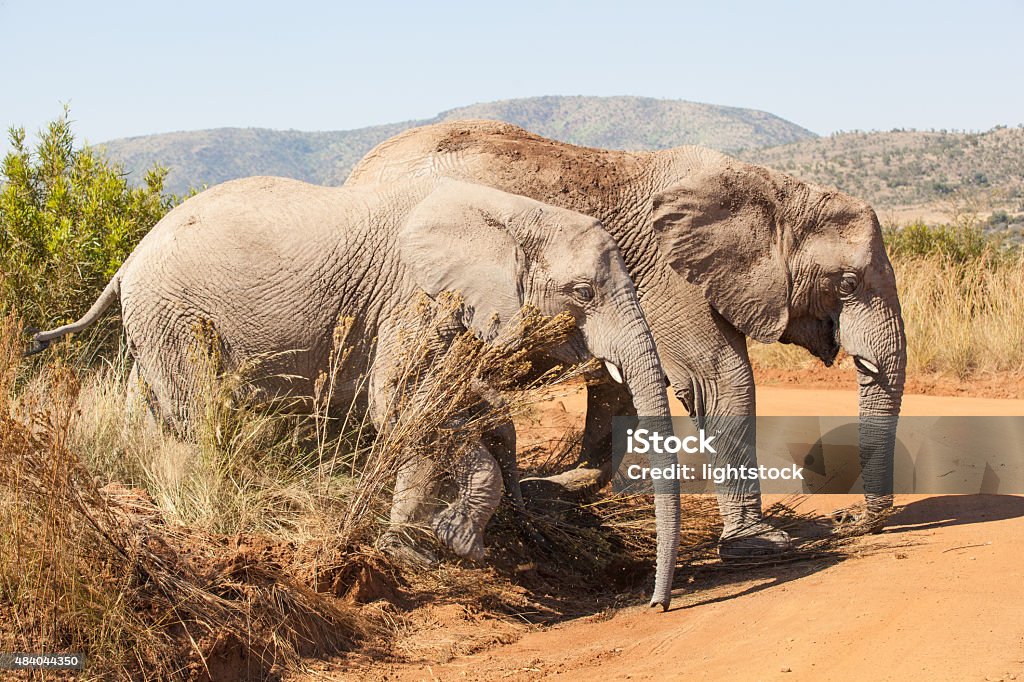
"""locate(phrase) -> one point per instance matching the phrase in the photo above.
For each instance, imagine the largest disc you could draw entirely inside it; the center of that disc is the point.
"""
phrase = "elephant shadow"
(721, 583)
(955, 510)
(713, 584)
(712, 581)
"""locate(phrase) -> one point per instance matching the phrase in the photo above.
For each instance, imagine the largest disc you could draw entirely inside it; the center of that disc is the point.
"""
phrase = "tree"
(68, 219)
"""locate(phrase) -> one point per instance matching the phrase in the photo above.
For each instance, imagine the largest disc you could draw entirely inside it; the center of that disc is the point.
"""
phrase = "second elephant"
(720, 250)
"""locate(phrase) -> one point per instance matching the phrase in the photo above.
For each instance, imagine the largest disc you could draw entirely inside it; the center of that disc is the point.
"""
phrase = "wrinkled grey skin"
(273, 264)
(719, 250)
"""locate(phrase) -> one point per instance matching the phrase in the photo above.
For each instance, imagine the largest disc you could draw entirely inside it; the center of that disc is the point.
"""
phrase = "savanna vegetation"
(252, 548)
(243, 552)
(68, 219)
(909, 167)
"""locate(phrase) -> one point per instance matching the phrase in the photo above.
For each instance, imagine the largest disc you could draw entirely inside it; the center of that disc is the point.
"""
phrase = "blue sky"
(144, 67)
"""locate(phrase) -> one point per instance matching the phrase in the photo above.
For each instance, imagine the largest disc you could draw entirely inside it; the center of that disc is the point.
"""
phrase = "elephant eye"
(848, 284)
(583, 292)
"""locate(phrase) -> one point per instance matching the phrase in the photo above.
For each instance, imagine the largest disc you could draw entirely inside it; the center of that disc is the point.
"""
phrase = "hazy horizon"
(525, 97)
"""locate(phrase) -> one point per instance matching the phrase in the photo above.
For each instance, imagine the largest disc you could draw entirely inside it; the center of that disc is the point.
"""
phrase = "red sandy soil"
(813, 392)
(938, 596)
(1006, 385)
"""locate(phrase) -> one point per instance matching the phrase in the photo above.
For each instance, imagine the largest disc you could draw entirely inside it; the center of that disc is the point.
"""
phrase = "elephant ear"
(720, 229)
(468, 250)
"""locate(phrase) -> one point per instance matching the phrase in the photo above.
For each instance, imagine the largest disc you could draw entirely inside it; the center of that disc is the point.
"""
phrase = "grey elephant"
(272, 264)
(719, 250)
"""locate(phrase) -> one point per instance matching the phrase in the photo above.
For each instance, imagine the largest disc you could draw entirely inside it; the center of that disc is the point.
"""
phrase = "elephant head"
(785, 261)
(522, 252)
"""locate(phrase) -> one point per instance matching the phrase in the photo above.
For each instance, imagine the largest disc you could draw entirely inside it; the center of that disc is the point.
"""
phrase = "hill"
(212, 156)
(897, 170)
(909, 168)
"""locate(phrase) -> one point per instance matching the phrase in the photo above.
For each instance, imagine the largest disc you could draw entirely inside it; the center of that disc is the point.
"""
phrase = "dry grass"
(156, 556)
(245, 551)
(146, 589)
(962, 319)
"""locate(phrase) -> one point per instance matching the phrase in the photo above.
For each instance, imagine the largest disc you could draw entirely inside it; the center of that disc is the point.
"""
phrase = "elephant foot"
(866, 519)
(402, 552)
(562, 491)
(574, 480)
(458, 532)
(758, 540)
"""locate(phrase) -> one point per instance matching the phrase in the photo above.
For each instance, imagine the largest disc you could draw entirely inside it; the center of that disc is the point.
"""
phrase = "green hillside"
(212, 156)
(903, 168)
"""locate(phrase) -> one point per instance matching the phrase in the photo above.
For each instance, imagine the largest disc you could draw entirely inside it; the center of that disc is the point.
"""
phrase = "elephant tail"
(42, 340)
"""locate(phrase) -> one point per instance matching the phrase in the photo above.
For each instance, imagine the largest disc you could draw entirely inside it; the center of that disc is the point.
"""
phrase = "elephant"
(272, 264)
(719, 250)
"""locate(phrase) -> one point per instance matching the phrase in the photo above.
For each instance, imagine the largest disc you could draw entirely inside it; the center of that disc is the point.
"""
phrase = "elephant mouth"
(829, 355)
(819, 337)
(828, 349)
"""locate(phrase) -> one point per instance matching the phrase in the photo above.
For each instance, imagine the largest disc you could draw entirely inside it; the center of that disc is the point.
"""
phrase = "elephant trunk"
(873, 334)
(626, 342)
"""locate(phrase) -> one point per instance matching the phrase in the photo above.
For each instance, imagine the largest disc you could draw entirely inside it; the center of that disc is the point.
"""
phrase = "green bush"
(960, 243)
(68, 218)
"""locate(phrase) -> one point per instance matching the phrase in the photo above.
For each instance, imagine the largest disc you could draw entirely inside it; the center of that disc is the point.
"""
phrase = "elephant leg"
(706, 361)
(500, 441)
(415, 487)
(726, 408)
(594, 467)
(460, 526)
(413, 502)
(414, 496)
(605, 401)
(149, 390)
(416, 490)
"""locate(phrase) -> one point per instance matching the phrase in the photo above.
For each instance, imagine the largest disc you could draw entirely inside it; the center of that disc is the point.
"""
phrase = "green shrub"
(960, 243)
(998, 220)
(68, 218)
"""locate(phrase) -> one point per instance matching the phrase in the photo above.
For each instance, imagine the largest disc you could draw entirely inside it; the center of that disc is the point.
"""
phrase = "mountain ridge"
(325, 157)
(892, 170)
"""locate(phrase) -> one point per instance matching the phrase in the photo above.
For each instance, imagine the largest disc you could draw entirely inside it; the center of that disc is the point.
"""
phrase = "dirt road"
(938, 596)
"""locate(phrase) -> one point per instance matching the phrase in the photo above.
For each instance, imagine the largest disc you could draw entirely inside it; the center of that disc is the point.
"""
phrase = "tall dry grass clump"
(157, 558)
(963, 318)
(435, 410)
(101, 569)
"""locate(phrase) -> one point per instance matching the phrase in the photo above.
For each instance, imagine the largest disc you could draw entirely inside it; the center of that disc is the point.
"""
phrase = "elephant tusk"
(866, 365)
(614, 371)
